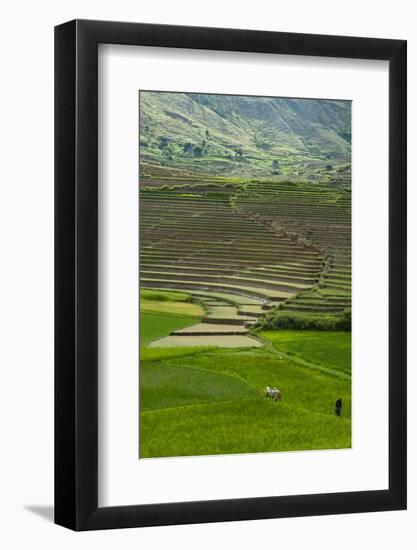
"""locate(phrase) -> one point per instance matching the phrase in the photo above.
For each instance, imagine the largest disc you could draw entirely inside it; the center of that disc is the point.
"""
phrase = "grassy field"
(330, 349)
(207, 401)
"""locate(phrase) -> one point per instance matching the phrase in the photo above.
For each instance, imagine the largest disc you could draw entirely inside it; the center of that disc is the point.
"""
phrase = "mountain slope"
(245, 136)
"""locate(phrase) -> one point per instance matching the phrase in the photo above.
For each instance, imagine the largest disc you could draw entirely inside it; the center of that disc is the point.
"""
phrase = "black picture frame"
(76, 273)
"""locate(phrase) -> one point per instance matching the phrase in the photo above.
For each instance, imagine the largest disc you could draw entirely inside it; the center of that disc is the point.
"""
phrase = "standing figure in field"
(338, 407)
(272, 392)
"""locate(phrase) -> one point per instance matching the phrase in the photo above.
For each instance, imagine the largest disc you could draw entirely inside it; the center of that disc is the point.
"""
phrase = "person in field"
(272, 392)
(338, 407)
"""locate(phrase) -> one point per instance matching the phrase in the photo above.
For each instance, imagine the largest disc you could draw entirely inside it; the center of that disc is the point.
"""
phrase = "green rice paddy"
(208, 400)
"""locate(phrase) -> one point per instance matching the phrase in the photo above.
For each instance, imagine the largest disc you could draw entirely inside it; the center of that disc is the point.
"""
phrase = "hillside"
(246, 136)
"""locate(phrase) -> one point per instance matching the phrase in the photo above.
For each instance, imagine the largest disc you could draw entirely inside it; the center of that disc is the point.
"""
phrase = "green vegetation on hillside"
(281, 319)
(246, 136)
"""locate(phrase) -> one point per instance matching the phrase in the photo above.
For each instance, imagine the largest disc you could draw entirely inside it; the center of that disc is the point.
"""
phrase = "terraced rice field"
(319, 216)
(245, 273)
(242, 249)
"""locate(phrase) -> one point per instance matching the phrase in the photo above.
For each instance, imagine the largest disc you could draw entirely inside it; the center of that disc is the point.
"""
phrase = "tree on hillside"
(207, 134)
(163, 142)
(187, 147)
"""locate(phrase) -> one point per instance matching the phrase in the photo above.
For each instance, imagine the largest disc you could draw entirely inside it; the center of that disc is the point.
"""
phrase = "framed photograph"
(230, 245)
